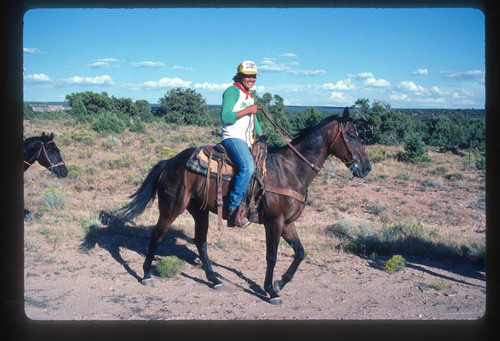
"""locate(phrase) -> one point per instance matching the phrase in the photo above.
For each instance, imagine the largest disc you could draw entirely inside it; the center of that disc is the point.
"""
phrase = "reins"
(279, 129)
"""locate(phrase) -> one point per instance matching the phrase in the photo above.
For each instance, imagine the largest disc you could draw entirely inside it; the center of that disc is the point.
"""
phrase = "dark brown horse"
(178, 190)
(44, 150)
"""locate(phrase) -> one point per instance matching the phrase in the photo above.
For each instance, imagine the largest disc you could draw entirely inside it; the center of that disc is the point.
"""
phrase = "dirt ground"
(70, 275)
(98, 279)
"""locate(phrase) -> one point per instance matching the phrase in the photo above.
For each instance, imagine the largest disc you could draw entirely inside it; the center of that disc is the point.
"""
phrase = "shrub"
(480, 162)
(74, 171)
(441, 170)
(137, 126)
(118, 162)
(108, 122)
(170, 266)
(80, 135)
(377, 155)
(415, 151)
(395, 264)
(54, 197)
(456, 176)
(111, 142)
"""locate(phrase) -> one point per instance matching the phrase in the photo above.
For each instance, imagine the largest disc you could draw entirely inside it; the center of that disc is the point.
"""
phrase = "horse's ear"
(51, 136)
(346, 113)
(44, 136)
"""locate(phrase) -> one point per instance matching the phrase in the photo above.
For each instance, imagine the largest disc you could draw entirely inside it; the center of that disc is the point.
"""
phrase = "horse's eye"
(352, 136)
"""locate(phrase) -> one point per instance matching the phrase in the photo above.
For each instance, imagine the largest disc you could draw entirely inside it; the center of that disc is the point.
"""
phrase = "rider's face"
(248, 81)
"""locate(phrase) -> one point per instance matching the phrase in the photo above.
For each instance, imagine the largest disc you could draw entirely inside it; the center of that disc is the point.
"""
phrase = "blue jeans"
(242, 157)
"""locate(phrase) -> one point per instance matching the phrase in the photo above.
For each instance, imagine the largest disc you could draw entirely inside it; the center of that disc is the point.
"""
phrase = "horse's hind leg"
(292, 238)
(157, 235)
(200, 239)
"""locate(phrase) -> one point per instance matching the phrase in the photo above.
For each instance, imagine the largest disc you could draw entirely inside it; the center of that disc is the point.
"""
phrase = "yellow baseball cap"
(248, 68)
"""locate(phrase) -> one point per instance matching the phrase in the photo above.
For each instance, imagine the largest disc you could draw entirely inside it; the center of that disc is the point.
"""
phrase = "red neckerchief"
(243, 89)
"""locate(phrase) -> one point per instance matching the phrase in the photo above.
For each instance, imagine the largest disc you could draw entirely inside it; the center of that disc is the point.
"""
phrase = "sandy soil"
(100, 281)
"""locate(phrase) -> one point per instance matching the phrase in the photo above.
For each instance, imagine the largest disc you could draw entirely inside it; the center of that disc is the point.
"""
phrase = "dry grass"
(106, 169)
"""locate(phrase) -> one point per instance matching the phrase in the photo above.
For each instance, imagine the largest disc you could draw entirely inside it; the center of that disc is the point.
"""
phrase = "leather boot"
(235, 219)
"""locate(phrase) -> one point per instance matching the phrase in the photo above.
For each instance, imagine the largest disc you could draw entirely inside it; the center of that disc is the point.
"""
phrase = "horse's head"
(348, 147)
(50, 156)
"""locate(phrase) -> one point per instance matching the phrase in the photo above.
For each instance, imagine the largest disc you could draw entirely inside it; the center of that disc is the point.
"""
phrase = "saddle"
(212, 161)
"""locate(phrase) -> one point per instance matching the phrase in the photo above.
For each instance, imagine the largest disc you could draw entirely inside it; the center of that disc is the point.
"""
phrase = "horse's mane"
(305, 132)
(31, 139)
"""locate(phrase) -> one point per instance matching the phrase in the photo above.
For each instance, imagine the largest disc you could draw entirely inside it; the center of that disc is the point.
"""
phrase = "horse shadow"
(116, 234)
(462, 267)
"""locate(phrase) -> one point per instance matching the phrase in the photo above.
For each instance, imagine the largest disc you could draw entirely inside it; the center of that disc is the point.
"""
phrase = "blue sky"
(409, 58)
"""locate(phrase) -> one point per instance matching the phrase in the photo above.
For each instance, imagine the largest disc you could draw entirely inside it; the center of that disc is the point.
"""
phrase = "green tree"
(28, 112)
(184, 107)
(368, 120)
(124, 108)
(108, 121)
(306, 119)
(144, 110)
(275, 107)
(395, 127)
(415, 150)
(78, 111)
(93, 102)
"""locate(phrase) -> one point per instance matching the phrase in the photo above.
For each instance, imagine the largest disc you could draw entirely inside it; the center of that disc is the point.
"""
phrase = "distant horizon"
(65, 103)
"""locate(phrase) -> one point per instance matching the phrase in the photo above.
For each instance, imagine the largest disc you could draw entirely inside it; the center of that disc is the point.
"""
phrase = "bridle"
(346, 143)
(42, 148)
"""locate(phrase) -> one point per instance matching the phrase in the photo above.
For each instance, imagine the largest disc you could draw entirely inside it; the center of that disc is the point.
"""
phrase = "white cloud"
(473, 74)
(154, 85)
(33, 50)
(177, 67)
(104, 63)
(438, 91)
(419, 72)
(339, 97)
(269, 65)
(77, 80)
(340, 85)
(372, 81)
(108, 60)
(362, 75)
(289, 55)
(37, 78)
(212, 86)
(410, 86)
(147, 64)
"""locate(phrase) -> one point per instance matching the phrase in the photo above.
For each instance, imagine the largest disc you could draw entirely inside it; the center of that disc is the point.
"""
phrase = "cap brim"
(250, 73)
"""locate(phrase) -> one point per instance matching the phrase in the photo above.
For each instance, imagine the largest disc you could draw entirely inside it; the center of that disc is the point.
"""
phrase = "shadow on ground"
(116, 234)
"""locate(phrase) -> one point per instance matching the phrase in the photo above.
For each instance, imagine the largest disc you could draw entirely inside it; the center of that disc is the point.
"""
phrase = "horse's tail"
(145, 193)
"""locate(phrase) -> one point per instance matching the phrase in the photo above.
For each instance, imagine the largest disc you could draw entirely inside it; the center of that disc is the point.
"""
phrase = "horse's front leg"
(273, 233)
(292, 238)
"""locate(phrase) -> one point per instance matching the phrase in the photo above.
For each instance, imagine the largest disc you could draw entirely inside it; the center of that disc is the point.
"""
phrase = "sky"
(408, 58)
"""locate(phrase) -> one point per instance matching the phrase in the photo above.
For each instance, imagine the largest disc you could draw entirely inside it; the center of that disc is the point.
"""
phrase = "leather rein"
(277, 127)
(42, 148)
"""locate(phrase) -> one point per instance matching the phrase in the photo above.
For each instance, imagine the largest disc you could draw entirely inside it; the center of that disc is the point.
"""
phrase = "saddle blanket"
(198, 163)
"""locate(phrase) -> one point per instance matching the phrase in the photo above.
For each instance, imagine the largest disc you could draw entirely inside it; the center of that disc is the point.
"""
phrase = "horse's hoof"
(147, 282)
(276, 301)
(218, 286)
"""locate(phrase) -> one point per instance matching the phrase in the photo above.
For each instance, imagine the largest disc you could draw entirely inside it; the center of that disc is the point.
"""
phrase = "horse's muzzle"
(360, 170)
